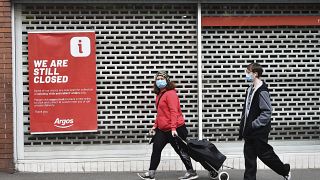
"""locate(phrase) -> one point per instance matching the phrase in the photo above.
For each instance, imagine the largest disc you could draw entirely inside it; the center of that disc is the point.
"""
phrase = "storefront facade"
(135, 39)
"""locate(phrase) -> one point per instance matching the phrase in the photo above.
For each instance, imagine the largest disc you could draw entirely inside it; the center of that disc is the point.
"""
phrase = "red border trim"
(261, 21)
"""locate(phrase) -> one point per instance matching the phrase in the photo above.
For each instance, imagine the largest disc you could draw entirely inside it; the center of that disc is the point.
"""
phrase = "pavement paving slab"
(298, 174)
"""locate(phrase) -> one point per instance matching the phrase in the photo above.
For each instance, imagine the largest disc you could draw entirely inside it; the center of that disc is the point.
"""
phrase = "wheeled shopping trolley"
(207, 155)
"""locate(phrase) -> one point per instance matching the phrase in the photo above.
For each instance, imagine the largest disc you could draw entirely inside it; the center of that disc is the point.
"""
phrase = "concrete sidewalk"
(297, 174)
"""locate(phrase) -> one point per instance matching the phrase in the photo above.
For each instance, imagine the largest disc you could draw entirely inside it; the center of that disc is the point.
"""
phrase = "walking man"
(255, 127)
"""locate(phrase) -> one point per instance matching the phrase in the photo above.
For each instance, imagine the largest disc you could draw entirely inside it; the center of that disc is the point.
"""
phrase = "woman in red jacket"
(168, 124)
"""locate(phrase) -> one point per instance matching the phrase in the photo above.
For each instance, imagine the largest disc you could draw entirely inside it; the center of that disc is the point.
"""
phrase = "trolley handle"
(184, 142)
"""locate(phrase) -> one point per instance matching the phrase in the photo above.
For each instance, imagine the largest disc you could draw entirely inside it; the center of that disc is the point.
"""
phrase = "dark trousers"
(259, 147)
(161, 139)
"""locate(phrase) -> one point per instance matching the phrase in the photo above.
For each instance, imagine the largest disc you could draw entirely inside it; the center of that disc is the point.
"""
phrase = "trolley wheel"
(223, 176)
(213, 174)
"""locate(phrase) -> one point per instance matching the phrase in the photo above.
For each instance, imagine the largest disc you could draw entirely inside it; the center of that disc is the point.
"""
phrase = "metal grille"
(291, 60)
(133, 43)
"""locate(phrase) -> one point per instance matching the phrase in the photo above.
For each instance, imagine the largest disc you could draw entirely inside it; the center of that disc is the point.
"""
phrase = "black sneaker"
(146, 176)
(189, 176)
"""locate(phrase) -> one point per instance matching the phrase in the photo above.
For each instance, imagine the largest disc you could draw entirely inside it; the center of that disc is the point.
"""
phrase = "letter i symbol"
(80, 47)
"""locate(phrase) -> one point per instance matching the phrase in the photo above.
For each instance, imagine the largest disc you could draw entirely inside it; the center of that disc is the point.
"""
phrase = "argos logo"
(63, 123)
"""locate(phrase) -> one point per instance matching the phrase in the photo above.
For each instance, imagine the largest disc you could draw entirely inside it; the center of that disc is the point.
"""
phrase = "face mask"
(161, 83)
(249, 77)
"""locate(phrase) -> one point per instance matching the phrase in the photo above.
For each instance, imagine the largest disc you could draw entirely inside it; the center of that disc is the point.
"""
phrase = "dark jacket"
(257, 121)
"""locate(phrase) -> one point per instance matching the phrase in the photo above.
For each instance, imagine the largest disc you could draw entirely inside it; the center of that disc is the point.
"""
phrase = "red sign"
(62, 82)
(261, 21)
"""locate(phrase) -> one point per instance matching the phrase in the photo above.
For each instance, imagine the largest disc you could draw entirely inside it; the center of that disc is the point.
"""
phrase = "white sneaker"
(288, 177)
(146, 176)
(189, 176)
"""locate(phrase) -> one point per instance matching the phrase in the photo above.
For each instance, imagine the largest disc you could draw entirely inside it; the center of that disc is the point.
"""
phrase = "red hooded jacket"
(169, 114)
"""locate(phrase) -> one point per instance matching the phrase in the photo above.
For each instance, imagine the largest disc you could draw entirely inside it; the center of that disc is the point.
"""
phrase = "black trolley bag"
(207, 155)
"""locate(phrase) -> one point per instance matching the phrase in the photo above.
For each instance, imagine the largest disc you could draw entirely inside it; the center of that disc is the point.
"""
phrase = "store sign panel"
(260, 21)
(62, 82)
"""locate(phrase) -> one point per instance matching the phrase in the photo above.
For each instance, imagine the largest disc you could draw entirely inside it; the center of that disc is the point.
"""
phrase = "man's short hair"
(255, 68)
